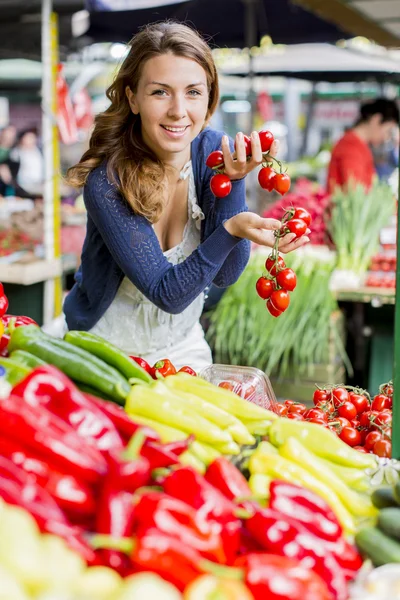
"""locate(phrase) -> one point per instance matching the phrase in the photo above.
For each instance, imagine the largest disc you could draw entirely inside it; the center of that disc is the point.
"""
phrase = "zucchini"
(389, 521)
(78, 364)
(27, 359)
(377, 546)
(383, 497)
(109, 353)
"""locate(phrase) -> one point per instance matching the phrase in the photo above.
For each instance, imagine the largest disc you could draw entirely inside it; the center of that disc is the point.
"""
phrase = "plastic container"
(248, 382)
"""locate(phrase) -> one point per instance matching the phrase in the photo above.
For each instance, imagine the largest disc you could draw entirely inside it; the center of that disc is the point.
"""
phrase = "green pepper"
(320, 441)
(277, 467)
(213, 413)
(358, 505)
(26, 359)
(109, 353)
(15, 371)
(143, 400)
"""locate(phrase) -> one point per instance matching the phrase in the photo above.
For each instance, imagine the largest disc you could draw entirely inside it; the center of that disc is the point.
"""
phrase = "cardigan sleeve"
(134, 246)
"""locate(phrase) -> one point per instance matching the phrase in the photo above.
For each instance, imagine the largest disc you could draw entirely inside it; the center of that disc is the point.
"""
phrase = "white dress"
(140, 328)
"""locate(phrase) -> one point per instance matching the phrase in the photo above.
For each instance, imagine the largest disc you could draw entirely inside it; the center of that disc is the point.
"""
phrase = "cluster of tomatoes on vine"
(274, 287)
(349, 412)
(268, 178)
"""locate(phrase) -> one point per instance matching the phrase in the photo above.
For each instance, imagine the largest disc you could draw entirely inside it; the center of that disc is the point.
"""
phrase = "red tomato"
(350, 436)
(340, 395)
(371, 439)
(266, 178)
(360, 402)
(289, 402)
(188, 370)
(215, 159)
(384, 418)
(303, 214)
(272, 310)
(364, 434)
(220, 185)
(318, 421)
(347, 410)
(273, 266)
(226, 385)
(282, 410)
(287, 279)
(249, 391)
(388, 389)
(320, 396)
(280, 299)
(354, 423)
(282, 183)
(326, 407)
(247, 144)
(380, 402)
(295, 416)
(296, 226)
(266, 140)
(297, 408)
(164, 367)
(315, 413)
(368, 418)
(383, 448)
(360, 449)
(264, 287)
(342, 421)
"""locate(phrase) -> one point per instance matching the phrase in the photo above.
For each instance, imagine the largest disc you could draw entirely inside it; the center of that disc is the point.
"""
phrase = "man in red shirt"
(352, 158)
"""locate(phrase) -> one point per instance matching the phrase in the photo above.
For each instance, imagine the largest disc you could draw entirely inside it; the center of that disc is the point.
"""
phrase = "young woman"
(156, 235)
(352, 159)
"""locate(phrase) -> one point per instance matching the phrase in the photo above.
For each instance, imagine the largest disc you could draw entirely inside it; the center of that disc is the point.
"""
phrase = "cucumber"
(86, 389)
(383, 497)
(377, 546)
(15, 372)
(396, 491)
(389, 522)
(27, 359)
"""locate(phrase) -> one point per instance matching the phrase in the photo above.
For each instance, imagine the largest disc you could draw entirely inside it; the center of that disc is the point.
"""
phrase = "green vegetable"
(15, 371)
(383, 497)
(26, 359)
(377, 546)
(396, 491)
(389, 521)
(75, 362)
(87, 389)
(109, 353)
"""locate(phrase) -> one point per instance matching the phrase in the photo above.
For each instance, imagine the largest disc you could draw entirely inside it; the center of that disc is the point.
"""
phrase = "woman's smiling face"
(172, 101)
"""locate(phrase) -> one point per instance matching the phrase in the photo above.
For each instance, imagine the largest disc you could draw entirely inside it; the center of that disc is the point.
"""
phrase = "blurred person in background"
(8, 169)
(30, 175)
(352, 158)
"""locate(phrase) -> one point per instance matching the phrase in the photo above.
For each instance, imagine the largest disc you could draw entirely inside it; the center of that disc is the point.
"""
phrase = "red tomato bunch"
(279, 281)
(268, 178)
(349, 412)
(162, 368)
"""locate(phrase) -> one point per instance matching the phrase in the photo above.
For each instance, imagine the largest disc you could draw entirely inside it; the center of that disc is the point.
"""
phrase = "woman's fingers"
(273, 151)
(256, 152)
(297, 243)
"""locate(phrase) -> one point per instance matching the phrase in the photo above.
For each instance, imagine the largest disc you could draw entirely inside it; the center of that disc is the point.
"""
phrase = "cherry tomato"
(296, 226)
(342, 422)
(384, 418)
(220, 185)
(340, 395)
(266, 140)
(360, 449)
(266, 178)
(273, 266)
(368, 418)
(215, 159)
(350, 436)
(289, 402)
(347, 410)
(272, 309)
(226, 385)
(164, 367)
(363, 433)
(247, 144)
(264, 287)
(380, 402)
(315, 413)
(287, 279)
(383, 448)
(282, 183)
(388, 389)
(303, 214)
(320, 396)
(249, 391)
(295, 416)
(318, 421)
(282, 410)
(371, 439)
(326, 407)
(360, 402)
(297, 408)
(188, 370)
(280, 299)
(354, 423)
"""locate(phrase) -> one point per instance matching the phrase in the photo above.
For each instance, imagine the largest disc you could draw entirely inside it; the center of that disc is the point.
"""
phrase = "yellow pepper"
(355, 478)
(259, 485)
(209, 587)
(358, 505)
(277, 467)
(189, 459)
(266, 448)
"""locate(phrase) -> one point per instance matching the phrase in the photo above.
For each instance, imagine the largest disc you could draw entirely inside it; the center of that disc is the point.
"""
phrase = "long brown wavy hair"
(131, 165)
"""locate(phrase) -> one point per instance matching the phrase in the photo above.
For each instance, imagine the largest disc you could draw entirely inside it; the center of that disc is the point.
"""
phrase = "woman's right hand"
(251, 226)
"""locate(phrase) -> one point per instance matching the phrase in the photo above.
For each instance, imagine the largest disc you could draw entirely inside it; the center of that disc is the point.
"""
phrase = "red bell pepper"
(281, 578)
(164, 455)
(285, 536)
(72, 495)
(21, 489)
(307, 507)
(9, 323)
(164, 368)
(188, 370)
(143, 363)
(191, 487)
(227, 478)
(48, 386)
(123, 423)
(179, 520)
(3, 301)
(37, 428)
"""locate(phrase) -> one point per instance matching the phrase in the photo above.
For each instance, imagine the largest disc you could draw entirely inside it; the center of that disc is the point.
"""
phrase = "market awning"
(378, 20)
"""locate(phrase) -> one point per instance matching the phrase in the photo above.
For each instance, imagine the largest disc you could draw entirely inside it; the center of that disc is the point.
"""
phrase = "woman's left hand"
(236, 165)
